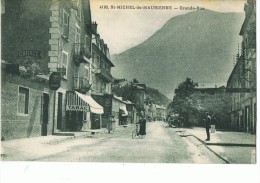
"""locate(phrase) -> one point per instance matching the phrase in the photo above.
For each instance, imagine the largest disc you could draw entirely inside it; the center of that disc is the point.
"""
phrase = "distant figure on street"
(171, 121)
(180, 122)
(213, 124)
(142, 130)
(113, 120)
(207, 125)
(110, 124)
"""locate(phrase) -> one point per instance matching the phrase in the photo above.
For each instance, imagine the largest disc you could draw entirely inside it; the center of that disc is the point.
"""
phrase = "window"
(98, 86)
(64, 61)
(87, 44)
(98, 62)
(103, 87)
(23, 100)
(79, 11)
(94, 84)
(86, 116)
(65, 30)
(77, 40)
(108, 88)
(77, 36)
(76, 72)
(87, 72)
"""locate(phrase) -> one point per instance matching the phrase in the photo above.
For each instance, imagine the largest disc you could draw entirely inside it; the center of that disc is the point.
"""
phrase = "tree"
(181, 103)
(191, 102)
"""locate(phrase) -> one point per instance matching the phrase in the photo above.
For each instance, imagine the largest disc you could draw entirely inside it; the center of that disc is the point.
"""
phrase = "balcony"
(80, 52)
(104, 74)
(81, 84)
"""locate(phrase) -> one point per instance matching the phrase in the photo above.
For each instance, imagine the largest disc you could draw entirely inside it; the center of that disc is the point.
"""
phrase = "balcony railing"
(81, 51)
(104, 74)
(81, 84)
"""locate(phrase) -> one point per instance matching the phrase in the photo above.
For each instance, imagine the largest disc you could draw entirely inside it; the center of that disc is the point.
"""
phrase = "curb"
(230, 144)
(68, 137)
(223, 158)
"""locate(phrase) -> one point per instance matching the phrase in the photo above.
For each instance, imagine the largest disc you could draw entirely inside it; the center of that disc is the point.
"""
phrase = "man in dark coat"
(207, 125)
(142, 129)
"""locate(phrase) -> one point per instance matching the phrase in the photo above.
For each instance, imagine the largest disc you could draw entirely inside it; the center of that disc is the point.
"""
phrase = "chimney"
(94, 27)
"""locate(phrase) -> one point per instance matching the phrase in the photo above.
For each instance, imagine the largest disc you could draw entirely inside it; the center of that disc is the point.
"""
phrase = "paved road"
(161, 145)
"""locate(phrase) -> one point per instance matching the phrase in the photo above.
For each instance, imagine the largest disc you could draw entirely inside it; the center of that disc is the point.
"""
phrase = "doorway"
(74, 120)
(45, 114)
(246, 119)
(95, 121)
(59, 115)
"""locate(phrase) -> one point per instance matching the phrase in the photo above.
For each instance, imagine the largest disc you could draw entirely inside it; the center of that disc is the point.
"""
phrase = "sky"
(122, 29)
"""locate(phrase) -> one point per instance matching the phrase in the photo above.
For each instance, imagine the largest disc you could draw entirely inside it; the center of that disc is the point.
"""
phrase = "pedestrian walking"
(110, 124)
(142, 129)
(207, 125)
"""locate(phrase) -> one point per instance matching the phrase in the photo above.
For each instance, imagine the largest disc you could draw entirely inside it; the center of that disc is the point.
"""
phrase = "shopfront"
(82, 112)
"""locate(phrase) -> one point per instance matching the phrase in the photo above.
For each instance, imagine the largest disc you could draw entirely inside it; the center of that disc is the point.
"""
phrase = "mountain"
(200, 45)
(156, 97)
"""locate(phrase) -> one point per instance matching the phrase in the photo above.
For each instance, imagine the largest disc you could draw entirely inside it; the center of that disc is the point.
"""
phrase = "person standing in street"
(142, 129)
(213, 124)
(171, 121)
(113, 120)
(207, 125)
(110, 124)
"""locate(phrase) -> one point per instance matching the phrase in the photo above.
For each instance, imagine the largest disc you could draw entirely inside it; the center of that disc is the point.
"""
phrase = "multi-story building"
(160, 113)
(44, 38)
(25, 96)
(139, 96)
(132, 112)
(101, 76)
(242, 80)
(151, 112)
(70, 49)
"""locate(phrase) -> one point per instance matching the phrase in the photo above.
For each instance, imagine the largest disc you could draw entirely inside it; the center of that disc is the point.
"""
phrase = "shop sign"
(30, 53)
(77, 108)
(30, 60)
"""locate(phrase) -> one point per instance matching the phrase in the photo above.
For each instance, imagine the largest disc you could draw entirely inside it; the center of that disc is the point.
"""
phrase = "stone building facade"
(41, 38)
(25, 104)
(242, 80)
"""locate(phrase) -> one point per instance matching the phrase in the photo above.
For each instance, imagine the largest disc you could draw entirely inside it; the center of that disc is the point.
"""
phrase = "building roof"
(210, 85)
(140, 86)
(121, 100)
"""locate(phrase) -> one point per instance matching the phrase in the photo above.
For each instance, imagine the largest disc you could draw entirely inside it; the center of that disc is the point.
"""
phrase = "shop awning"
(123, 108)
(80, 102)
(94, 106)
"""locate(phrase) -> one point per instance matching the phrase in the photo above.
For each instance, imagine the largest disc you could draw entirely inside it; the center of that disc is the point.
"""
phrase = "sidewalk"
(232, 147)
(34, 148)
(30, 149)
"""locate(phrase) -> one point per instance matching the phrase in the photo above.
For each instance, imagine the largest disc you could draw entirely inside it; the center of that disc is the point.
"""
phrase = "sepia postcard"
(103, 85)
